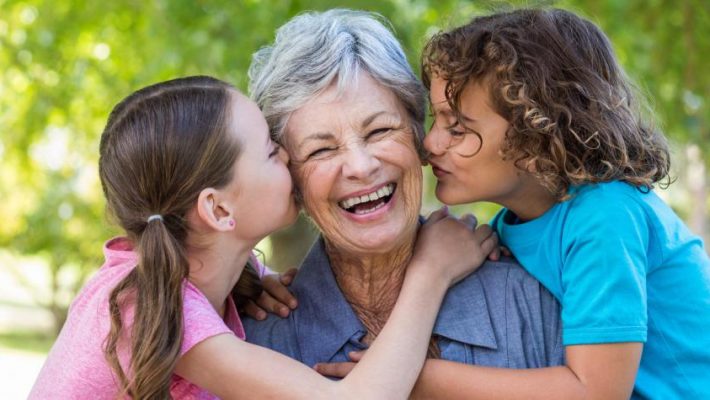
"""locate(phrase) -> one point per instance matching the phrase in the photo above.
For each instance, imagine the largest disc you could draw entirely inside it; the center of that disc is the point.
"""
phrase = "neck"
(531, 201)
(215, 269)
(371, 283)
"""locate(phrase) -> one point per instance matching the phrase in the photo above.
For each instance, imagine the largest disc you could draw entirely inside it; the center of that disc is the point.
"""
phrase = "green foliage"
(29, 341)
(64, 64)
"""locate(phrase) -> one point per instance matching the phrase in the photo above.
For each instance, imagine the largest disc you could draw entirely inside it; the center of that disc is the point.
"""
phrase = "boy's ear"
(213, 211)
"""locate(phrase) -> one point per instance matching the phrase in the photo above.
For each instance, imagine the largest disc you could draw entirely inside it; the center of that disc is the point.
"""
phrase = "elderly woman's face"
(354, 160)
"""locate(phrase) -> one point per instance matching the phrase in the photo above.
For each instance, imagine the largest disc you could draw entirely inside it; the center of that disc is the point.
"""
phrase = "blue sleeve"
(275, 333)
(605, 258)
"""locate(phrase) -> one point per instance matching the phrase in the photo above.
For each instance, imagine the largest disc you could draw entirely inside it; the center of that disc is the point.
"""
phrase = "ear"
(213, 211)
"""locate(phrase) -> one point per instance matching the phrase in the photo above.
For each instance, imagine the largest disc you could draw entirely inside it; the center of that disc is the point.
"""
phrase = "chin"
(445, 197)
(453, 198)
(381, 241)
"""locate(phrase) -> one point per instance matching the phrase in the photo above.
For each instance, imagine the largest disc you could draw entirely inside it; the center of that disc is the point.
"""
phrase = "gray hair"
(315, 49)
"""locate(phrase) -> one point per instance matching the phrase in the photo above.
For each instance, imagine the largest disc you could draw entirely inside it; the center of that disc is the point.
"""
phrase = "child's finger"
(254, 311)
(287, 277)
(470, 220)
(337, 370)
(506, 251)
(483, 232)
(495, 254)
(271, 304)
(278, 291)
(439, 214)
(490, 243)
(356, 356)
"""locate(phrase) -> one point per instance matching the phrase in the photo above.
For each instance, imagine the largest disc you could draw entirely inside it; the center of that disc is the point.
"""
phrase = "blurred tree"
(66, 63)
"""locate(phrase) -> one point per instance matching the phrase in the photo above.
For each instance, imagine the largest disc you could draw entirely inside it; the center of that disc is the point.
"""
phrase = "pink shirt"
(76, 367)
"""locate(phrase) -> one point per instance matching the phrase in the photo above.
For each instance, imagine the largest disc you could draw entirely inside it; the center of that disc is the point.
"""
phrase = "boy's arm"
(603, 371)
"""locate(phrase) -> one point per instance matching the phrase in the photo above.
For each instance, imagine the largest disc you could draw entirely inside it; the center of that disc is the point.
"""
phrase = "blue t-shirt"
(625, 269)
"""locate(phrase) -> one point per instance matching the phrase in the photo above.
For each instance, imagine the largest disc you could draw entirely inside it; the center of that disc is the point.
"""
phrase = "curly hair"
(553, 75)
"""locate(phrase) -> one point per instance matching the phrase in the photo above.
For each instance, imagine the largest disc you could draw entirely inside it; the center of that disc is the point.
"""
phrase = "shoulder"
(605, 211)
(201, 320)
(507, 285)
(274, 332)
(269, 330)
(606, 197)
(505, 274)
(524, 315)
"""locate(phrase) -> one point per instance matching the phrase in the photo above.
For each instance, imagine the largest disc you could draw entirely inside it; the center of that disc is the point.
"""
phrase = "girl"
(191, 175)
(532, 111)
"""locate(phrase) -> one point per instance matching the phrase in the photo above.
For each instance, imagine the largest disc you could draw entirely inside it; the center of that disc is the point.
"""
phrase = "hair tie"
(154, 217)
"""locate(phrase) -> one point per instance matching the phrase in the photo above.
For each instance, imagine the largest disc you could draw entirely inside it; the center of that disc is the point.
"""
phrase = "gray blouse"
(498, 316)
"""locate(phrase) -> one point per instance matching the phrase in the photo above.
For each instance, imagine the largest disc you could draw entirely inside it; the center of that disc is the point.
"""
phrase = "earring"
(231, 223)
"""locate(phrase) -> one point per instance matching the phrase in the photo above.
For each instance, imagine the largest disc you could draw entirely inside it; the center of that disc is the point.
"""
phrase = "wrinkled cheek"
(304, 191)
(299, 177)
(412, 196)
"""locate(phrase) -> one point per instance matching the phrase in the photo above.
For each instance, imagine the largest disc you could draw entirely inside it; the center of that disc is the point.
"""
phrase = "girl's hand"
(451, 248)
(499, 251)
(275, 298)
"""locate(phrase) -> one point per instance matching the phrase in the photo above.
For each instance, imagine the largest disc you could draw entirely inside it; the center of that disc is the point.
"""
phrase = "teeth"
(380, 193)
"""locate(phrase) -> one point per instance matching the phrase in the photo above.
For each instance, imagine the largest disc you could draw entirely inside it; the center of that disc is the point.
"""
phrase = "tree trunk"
(697, 178)
(59, 313)
(290, 245)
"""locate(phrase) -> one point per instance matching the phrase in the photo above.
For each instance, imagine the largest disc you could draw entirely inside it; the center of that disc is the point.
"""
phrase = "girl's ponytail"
(158, 318)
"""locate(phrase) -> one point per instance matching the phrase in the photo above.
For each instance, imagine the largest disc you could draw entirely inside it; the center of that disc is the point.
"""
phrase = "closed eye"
(456, 133)
(376, 132)
(320, 152)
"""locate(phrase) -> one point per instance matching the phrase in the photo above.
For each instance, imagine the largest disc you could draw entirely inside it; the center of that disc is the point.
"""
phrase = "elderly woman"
(339, 95)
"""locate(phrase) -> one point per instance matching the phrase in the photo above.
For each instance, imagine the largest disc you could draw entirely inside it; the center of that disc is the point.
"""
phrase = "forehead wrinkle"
(368, 120)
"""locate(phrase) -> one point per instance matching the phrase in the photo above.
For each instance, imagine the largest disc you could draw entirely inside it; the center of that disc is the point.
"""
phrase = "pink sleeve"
(201, 321)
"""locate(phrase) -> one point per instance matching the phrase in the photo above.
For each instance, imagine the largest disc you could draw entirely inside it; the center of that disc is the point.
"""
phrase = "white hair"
(316, 49)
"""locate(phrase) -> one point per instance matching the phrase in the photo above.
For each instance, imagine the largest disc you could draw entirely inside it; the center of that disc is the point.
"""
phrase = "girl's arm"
(600, 371)
(231, 368)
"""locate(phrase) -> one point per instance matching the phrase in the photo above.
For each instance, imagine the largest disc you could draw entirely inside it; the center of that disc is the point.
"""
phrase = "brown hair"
(554, 77)
(161, 146)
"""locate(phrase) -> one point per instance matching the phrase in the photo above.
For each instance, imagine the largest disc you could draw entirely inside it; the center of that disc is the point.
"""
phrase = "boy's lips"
(437, 170)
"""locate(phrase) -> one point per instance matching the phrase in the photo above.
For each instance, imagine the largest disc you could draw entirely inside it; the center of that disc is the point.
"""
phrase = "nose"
(434, 141)
(360, 163)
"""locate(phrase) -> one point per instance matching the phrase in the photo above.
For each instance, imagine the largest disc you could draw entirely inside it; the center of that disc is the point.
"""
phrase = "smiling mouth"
(369, 202)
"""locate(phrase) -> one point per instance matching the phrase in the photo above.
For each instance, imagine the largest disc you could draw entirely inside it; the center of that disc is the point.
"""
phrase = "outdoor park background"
(64, 64)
